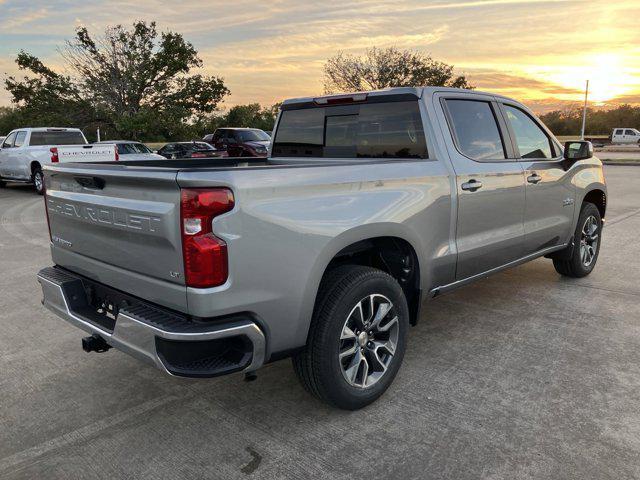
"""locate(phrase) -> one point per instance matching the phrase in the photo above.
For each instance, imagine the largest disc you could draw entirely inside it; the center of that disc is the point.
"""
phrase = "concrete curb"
(634, 163)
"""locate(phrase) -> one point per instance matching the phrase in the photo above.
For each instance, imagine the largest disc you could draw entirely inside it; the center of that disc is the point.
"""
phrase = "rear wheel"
(38, 180)
(357, 337)
(586, 246)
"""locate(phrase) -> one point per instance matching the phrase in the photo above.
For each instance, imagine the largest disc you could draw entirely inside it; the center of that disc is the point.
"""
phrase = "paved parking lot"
(523, 375)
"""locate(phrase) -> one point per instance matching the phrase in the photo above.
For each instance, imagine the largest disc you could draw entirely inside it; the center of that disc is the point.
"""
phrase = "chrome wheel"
(368, 341)
(589, 241)
(38, 181)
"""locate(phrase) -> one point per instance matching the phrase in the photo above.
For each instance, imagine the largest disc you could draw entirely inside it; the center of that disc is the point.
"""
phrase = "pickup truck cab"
(25, 151)
(368, 206)
(625, 136)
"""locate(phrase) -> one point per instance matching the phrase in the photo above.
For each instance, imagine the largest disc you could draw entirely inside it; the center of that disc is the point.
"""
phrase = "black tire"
(2, 183)
(573, 263)
(318, 366)
(38, 180)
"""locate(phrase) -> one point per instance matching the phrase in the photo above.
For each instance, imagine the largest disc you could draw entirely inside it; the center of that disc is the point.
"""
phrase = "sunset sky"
(540, 52)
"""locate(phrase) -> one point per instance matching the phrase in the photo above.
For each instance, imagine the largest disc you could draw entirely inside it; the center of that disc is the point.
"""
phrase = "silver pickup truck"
(368, 205)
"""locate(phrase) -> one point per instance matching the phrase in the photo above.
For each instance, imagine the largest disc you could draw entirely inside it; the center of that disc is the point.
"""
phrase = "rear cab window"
(57, 138)
(474, 127)
(367, 130)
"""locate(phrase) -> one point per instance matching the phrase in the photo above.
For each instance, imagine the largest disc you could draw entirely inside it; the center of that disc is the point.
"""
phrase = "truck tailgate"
(118, 227)
(86, 153)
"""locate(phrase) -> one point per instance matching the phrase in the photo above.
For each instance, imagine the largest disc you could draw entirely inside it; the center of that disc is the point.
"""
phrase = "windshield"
(132, 148)
(253, 136)
(201, 146)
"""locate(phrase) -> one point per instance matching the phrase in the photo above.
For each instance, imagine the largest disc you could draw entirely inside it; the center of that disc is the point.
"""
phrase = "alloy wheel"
(589, 241)
(368, 341)
(38, 181)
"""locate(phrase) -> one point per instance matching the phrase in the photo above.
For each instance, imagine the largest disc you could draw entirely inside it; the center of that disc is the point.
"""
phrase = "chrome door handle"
(534, 178)
(472, 185)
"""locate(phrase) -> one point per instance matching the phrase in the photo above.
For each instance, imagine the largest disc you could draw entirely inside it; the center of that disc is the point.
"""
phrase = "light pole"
(584, 111)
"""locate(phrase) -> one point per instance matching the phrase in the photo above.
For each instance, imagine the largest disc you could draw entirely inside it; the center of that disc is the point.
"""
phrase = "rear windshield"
(375, 130)
(57, 138)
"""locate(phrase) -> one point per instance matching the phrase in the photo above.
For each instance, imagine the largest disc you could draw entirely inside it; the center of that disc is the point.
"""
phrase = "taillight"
(117, 155)
(54, 155)
(198, 155)
(205, 255)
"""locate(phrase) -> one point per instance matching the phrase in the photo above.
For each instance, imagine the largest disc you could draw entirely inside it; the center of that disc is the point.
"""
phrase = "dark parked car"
(240, 142)
(190, 150)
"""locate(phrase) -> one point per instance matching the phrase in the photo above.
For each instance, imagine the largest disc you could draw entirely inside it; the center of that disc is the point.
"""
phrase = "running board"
(434, 292)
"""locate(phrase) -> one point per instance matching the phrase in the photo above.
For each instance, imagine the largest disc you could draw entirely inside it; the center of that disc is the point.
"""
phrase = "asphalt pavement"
(523, 375)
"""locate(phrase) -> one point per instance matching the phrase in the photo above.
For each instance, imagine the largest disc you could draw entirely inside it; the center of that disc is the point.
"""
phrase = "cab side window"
(20, 138)
(532, 141)
(475, 129)
(630, 132)
(619, 132)
(8, 142)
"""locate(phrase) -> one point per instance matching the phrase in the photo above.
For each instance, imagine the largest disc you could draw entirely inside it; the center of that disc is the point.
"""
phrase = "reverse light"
(205, 255)
(54, 155)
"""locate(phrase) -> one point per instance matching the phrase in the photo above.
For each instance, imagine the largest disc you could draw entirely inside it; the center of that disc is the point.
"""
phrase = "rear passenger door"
(490, 184)
(630, 136)
(550, 193)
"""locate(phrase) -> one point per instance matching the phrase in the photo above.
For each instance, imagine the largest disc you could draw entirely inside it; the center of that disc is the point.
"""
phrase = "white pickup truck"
(625, 135)
(25, 150)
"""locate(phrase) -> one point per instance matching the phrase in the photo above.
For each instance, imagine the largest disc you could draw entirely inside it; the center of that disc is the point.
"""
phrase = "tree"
(136, 82)
(387, 67)
(251, 115)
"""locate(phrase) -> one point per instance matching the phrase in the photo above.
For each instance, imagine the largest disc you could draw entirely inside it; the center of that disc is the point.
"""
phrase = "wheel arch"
(598, 197)
(33, 165)
(363, 245)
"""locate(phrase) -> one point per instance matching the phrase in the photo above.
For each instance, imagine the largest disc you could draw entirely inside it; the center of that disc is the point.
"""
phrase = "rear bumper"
(171, 342)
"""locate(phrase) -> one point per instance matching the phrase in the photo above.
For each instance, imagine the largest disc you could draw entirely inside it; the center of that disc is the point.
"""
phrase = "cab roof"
(417, 92)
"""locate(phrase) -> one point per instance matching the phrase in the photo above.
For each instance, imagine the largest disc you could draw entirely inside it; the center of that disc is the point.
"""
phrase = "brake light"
(205, 255)
(341, 99)
(198, 155)
(54, 155)
(117, 155)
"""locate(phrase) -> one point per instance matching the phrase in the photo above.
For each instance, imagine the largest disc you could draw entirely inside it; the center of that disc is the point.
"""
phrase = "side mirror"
(575, 151)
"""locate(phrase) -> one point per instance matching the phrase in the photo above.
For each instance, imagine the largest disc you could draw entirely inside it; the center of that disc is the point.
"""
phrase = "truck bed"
(199, 163)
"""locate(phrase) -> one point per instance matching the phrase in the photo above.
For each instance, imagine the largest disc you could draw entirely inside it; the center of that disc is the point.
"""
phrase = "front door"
(490, 186)
(234, 149)
(7, 169)
(18, 163)
(550, 193)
